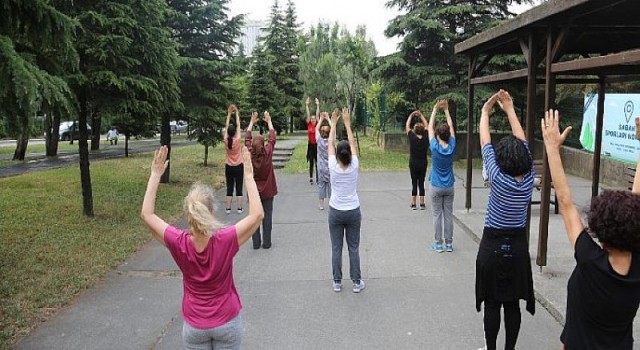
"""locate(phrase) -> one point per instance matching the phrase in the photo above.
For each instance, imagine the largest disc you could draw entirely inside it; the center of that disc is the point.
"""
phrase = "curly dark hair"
(418, 128)
(614, 218)
(443, 132)
(513, 157)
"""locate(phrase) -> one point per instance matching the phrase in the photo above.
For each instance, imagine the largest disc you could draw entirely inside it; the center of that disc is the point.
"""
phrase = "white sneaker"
(337, 286)
(228, 210)
(358, 287)
(240, 210)
(320, 207)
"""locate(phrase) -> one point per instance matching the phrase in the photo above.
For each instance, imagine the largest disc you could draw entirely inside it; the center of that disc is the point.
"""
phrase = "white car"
(179, 126)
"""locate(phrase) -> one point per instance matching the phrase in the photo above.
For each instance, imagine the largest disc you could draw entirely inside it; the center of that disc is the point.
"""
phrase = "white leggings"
(225, 337)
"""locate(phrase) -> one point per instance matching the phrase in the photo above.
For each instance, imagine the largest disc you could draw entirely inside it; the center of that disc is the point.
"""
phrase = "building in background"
(251, 32)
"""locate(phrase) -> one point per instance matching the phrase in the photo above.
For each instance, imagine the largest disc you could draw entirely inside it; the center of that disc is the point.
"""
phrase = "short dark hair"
(343, 152)
(418, 128)
(443, 132)
(614, 218)
(513, 157)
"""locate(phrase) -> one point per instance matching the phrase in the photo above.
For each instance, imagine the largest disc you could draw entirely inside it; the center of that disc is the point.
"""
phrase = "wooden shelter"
(563, 42)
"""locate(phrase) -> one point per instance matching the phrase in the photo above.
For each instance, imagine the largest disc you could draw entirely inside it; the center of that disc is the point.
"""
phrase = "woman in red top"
(210, 303)
(312, 147)
(265, 177)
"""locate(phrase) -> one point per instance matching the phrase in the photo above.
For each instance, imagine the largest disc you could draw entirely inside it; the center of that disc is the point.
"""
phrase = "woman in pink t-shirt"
(233, 165)
(210, 303)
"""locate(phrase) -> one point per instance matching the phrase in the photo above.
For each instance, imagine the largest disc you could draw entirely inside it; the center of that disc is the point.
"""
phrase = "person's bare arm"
(319, 123)
(246, 227)
(432, 120)
(506, 103)
(487, 108)
(346, 117)
(229, 111)
(445, 106)
(317, 108)
(332, 134)
(272, 131)
(248, 137)
(407, 126)
(237, 121)
(306, 103)
(552, 142)
(154, 223)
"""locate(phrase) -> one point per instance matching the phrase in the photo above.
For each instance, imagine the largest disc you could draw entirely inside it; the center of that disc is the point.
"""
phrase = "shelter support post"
(470, 88)
(532, 65)
(598, 146)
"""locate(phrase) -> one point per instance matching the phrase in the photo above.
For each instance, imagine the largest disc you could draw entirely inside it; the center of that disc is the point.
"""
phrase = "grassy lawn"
(372, 158)
(50, 252)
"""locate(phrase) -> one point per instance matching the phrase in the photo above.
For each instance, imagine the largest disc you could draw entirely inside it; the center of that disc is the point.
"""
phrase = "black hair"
(343, 152)
(443, 132)
(614, 218)
(231, 132)
(513, 157)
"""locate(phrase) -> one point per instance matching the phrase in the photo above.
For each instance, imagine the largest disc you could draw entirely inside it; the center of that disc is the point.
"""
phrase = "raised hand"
(488, 106)
(231, 108)
(335, 116)
(505, 101)
(550, 126)
(267, 117)
(345, 116)
(445, 105)
(307, 101)
(246, 161)
(317, 102)
(160, 162)
(254, 117)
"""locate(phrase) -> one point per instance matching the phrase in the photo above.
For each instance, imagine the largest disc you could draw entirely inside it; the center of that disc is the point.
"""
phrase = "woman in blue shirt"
(442, 142)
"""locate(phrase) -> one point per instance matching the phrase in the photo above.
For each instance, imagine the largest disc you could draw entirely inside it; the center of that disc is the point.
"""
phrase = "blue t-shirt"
(442, 163)
(508, 199)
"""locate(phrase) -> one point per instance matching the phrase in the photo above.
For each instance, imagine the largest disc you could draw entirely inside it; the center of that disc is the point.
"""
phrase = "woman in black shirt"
(418, 145)
(603, 292)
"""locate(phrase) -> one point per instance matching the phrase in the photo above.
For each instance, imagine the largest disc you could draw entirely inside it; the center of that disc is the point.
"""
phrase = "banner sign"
(619, 128)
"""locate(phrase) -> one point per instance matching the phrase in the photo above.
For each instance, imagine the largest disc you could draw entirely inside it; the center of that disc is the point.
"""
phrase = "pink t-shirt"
(234, 155)
(210, 298)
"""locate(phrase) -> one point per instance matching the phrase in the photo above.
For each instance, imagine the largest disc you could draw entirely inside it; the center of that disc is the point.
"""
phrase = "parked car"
(69, 128)
(179, 126)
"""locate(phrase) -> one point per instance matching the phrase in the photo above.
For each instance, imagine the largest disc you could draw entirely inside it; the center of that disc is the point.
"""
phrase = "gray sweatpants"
(225, 337)
(442, 209)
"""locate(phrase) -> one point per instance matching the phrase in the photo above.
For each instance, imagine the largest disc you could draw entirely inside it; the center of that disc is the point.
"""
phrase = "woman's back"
(344, 184)
(601, 303)
(442, 163)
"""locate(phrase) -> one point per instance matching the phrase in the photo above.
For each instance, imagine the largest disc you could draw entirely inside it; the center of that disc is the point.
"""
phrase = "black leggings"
(234, 175)
(418, 174)
(492, 323)
(312, 154)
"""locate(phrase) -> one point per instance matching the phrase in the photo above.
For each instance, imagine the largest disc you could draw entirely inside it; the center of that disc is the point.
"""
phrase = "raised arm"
(248, 136)
(319, 123)
(506, 103)
(432, 120)
(332, 134)
(445, 106)
(487, 108)
(229, 111)
(552, 142)
(346, 117)
(272, 131)
(306, 103)
(636, 178)
(248, 225)
(237, 121)
(317, 108)
(154, 223)
(407, 126)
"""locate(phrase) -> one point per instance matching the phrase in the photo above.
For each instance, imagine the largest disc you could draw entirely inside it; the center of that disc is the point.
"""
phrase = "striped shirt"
(508, 199)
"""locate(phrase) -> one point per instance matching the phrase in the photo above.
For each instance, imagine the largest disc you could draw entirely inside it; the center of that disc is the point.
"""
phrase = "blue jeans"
(225, 337)
(345, 223)
(267, 224)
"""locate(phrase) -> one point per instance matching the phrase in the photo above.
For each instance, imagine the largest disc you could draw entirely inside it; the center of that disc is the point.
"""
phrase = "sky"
(372, 13)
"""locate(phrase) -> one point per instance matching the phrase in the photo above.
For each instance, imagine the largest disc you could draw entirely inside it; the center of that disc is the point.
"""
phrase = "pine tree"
(36, 52)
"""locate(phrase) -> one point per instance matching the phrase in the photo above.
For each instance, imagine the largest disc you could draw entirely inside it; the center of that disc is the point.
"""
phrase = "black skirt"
(312, 151)
(503, 268)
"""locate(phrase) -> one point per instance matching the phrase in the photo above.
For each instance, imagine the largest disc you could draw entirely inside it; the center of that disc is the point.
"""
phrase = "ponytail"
(231, 132)
(343, 151)
(198, 208)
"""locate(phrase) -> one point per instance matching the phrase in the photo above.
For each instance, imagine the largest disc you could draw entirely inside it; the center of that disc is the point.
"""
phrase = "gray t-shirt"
(323, 158)
(344, 184)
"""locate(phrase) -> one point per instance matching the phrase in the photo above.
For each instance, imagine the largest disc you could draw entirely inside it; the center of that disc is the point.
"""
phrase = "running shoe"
(358, 286)
(449, 247)
(337, 286)
(228, 210)
(413, 207)
(240, 210)
(437, 247)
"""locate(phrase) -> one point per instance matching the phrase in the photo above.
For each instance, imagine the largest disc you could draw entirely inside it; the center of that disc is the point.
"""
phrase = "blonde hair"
(198, 208)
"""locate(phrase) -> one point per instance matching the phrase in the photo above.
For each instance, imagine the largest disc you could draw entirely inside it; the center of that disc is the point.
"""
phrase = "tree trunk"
(21, 143)
(165, 140)
(52, 131)
(126, 145)
(206, 154)
(95, 130)
(83, 150)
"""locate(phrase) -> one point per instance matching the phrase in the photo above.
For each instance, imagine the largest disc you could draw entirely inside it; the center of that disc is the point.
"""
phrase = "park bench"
(537, 184)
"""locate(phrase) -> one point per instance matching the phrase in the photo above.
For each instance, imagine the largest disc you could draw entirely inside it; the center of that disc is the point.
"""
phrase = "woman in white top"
(344, 205)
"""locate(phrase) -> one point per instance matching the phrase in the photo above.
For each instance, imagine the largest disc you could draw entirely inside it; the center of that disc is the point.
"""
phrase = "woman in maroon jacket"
(262, 160)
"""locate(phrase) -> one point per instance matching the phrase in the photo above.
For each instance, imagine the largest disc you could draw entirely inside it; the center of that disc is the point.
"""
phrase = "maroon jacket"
(264, 175)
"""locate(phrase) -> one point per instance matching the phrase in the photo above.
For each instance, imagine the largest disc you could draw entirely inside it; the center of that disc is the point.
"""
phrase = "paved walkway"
(415, 298)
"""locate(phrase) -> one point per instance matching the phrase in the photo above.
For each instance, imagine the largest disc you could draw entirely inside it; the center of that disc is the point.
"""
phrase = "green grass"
(372, 158)
(50, 252)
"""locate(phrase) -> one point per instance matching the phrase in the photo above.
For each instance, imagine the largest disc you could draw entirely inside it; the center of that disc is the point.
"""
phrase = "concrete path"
(415, 298)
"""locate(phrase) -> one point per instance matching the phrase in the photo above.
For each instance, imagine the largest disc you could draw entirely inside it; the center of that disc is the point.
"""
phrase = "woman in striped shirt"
(503, 266)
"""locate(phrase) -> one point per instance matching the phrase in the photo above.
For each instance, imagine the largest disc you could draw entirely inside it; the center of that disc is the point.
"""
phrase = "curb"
(546, 304)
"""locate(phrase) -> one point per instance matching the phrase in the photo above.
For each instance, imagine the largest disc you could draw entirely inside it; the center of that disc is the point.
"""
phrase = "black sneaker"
(266, 245)
(423, 206)
(413, 207)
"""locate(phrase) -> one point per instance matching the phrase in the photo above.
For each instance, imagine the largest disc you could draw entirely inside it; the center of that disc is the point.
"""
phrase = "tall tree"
(426, 67)
(206, 36)
(36, 52)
